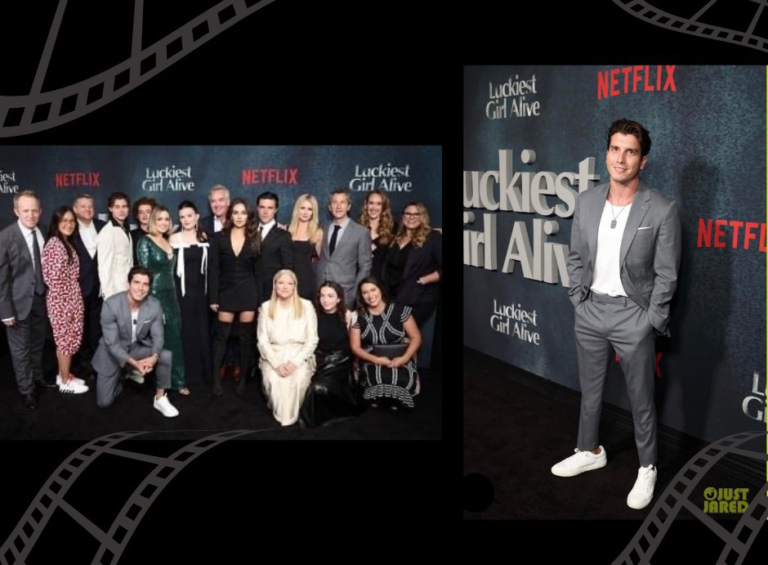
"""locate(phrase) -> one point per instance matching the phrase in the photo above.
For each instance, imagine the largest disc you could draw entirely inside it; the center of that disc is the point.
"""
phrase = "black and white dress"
(380, 381)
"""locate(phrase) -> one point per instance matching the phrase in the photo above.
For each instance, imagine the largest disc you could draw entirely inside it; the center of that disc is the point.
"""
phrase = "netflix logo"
(66, 180)
(731, 233)
(270, 176)
(640, 78)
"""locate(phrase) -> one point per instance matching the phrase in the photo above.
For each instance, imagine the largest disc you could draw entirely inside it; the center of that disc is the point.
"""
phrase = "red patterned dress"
(65, 302)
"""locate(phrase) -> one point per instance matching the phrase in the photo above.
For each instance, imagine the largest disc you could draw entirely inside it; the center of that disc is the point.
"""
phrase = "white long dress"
(284, 339)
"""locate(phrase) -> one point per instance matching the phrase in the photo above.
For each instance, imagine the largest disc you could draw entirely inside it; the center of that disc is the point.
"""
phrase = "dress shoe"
(46, 384)
(29, 401)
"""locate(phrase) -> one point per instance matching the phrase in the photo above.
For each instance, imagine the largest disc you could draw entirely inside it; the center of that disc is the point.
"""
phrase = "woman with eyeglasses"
(414, 263)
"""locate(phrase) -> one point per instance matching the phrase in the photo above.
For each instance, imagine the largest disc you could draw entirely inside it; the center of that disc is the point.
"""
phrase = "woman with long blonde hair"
(287, 338)
(414, 264)
(156, 254)
(307, 236)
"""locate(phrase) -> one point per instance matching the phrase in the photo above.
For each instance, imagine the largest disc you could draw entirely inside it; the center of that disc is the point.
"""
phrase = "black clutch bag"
(389, 351)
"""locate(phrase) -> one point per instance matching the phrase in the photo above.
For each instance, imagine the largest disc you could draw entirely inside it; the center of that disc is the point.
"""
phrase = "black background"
(304, 72)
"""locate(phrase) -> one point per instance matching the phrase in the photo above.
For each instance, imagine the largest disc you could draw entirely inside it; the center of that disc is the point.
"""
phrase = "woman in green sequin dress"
(156, 254)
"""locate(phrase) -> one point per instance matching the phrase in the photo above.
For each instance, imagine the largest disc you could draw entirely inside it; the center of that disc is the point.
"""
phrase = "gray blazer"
(112, 353)
(649, 253)
(17, 275)
(351, 260)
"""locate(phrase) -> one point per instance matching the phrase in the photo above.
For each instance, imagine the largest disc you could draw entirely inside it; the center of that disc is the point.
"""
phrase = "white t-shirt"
(607, 277)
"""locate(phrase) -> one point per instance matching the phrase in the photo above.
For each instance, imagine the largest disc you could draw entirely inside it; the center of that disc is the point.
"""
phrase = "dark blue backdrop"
(707, 126)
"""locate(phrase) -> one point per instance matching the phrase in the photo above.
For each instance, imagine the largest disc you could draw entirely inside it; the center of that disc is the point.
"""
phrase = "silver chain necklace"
(613, 222)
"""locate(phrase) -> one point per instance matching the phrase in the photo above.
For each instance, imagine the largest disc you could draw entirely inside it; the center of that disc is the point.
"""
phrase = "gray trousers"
(603, 324)
(109, 386)
(25, 341)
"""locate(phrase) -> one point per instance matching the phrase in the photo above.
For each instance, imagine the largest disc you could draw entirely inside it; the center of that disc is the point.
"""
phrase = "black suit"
(276, 254)
(90, 289)
(206, 224)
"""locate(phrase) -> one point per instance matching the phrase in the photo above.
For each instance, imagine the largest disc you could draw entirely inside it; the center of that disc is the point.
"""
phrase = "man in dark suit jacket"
(218, 199)
(84, 242)
(133, 338)
(622, 267)
(276, 245)
(345, 256)
(22, 295)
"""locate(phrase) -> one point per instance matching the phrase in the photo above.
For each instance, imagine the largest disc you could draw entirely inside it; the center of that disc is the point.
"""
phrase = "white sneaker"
(164, 406)
(580, 462)
(77, 380)
(71, 387)
(642, 493)
(135, 376)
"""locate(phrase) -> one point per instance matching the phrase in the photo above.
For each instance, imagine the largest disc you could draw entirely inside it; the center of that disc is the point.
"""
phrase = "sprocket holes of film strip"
(742, 23)
(105, 529)
(752, 512)
(45, 107)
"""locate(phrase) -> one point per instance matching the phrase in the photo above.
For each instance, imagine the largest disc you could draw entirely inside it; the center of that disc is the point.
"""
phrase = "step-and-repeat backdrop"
(171, 174)
(535, 137)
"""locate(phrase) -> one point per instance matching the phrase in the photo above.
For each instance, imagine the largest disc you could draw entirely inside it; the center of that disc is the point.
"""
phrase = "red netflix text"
(731, 233)
(270, 176)
(64, 180)
(640, 78)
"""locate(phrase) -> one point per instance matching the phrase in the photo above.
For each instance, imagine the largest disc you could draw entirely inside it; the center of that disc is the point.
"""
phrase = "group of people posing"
(336, 309)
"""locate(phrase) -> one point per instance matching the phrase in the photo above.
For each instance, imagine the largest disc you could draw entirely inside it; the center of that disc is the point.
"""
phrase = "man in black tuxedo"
(84, 242)
(22, 295)
(276, 245)
(218, 199)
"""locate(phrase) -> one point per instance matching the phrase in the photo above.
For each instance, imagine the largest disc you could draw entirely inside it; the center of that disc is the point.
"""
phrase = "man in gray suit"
(622, 265)
(22, 295)
(132, 326)
(345, 256)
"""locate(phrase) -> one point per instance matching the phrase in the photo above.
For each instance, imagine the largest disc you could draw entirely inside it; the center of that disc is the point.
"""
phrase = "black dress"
(393, 267)
(396, 385)
(379, 254)
(331, 395)
(191, 283)
(305, 272)
(232, 278)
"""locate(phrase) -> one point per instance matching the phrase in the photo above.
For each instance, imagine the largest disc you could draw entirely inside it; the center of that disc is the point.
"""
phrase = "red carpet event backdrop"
(171, 174)
(535, 137)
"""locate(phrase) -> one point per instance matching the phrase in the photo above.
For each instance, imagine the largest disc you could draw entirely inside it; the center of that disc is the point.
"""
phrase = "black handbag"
(390, 351)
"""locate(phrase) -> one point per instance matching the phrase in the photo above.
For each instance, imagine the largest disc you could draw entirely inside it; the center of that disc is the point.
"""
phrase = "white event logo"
(508, 99)
(759, 397)
(168, 178)
(513, 320)
(384, 177)
(8, 182)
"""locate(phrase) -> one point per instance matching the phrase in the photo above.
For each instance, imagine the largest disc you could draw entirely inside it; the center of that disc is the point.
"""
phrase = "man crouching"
(132, 326)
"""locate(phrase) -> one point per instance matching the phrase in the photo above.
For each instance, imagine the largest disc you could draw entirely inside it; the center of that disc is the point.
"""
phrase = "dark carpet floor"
(517, 425)
(76, 417)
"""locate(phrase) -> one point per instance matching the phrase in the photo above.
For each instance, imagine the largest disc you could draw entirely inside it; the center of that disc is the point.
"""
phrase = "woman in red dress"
(61, 270)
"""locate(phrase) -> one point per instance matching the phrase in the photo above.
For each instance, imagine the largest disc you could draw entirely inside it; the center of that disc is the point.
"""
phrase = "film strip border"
(19, 544)
(38, 111)
(647, 540)
(652, 15)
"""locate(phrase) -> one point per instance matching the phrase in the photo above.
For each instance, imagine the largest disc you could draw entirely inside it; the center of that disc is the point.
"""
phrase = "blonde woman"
(156, 254)
(287, 338)
(307, 238)
(413, 267)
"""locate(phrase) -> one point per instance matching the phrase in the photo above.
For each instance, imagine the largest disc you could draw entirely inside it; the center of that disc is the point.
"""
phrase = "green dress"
(161, 266)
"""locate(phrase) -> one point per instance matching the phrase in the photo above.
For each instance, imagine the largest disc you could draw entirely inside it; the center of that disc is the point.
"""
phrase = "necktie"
(260, 230)
(332, 246)
(39, 285)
